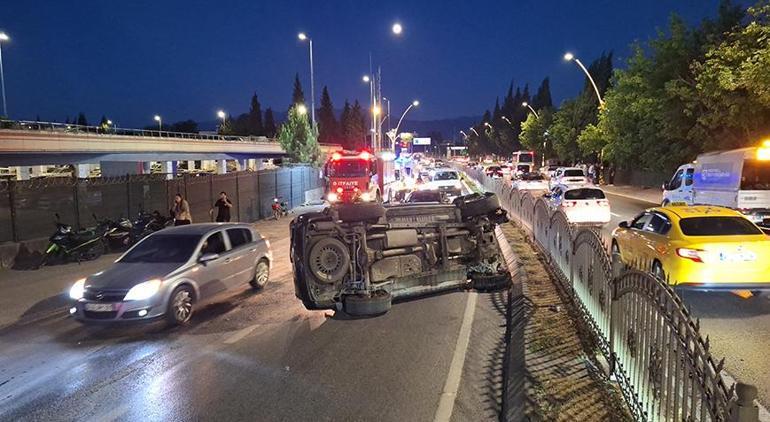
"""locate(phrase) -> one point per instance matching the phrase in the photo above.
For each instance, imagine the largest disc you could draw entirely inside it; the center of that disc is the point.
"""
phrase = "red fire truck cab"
(359, 176)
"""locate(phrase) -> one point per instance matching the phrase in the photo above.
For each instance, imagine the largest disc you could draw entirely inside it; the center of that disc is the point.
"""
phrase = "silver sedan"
(169, 272)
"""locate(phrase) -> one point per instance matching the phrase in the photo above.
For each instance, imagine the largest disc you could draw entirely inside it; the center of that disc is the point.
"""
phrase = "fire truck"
(359, 176)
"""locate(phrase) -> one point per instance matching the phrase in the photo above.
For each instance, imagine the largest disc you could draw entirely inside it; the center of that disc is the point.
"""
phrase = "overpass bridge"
(120, 151)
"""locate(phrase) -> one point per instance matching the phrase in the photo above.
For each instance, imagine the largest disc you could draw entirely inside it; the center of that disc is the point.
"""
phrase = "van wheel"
(180, 306)
(364, 305)
(261, 275)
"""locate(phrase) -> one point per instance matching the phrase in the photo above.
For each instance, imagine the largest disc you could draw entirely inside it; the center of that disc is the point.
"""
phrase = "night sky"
(132, 59)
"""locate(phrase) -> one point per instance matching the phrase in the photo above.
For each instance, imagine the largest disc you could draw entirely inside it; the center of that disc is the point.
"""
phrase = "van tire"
(364, 305)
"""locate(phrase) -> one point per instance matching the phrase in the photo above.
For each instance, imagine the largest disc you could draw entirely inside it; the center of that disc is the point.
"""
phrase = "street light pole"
(571, 57)
(3, 37)
(526, 104)
(160, 122)
(415, 103)
(302, 36)
(474, 131)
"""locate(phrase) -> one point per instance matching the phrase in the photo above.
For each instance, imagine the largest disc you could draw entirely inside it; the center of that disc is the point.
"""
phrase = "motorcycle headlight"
(77, 289)
(332, 197)
(143, 290)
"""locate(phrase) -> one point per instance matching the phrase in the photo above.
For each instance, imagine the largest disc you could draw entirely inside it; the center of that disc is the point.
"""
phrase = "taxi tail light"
(691, 254)
(603, 202)
(570, 204)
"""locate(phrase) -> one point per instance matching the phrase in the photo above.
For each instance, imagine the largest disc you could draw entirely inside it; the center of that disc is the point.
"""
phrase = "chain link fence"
(656, 353)
(28, 207)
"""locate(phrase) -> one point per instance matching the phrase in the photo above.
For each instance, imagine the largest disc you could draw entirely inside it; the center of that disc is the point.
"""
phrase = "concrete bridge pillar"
(22, 173)
(146, 167)
(221, 166)
(190, 165)
(169, 168)
(37, 171)
(252, 164)
(242, 164)
(83, 170)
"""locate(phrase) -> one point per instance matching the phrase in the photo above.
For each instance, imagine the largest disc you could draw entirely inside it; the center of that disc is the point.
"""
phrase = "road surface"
(261, 356)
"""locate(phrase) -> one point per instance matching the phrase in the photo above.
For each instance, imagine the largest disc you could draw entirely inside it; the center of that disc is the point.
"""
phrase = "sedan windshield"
(169, 248)
(717, 226)
(585, 193)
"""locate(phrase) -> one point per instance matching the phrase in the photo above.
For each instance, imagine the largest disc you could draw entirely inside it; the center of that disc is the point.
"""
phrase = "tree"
(542, 98)
(82, 121)
(227, 127)
(187, 126)
(534, 133)
(297, 97)
(345, 124)
(355, 127)
(255, 126)
(270, 128)
(298, 139)
(328, 128)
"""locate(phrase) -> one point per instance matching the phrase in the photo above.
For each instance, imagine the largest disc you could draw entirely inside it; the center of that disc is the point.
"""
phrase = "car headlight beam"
(143, 290)
(78, 289)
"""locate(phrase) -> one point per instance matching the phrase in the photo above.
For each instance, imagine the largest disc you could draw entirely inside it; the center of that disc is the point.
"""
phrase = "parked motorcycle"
(280, 208)
(148, 223)
(119, 233)
(66, 245)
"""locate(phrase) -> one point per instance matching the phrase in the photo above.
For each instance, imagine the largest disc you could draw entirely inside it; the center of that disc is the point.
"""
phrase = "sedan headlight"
(77, 289)
(144, 290)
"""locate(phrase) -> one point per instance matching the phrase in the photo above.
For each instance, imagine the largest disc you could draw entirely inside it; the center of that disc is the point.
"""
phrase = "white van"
(738, 179)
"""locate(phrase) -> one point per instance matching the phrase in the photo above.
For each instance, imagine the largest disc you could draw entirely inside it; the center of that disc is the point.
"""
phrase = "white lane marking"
(447, 402)
(764, 415)
(615, 215)
(238, 335)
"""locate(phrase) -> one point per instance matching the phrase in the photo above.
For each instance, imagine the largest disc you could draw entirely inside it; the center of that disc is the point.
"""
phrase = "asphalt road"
(738, 329)
(261, 356)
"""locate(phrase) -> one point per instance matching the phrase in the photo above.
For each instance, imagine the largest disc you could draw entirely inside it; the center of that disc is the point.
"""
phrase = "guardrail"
(111, 130)
(662, 364)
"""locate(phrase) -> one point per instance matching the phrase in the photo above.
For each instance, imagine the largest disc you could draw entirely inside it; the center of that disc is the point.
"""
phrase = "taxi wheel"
(657, 270)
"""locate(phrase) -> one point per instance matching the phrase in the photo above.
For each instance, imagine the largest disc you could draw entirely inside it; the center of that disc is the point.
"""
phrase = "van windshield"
(756, 175)
(349, 168)
(525, 158)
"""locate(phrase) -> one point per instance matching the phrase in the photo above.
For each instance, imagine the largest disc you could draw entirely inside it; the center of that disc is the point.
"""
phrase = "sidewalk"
(651, 195)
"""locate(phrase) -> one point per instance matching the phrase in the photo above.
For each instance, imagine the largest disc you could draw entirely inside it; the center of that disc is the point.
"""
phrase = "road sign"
(421, 141)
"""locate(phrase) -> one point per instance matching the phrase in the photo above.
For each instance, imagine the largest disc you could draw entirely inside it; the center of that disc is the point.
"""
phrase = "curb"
(627, 196)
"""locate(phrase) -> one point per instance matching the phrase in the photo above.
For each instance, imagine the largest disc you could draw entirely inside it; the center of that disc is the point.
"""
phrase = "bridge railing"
(653, 344)
(70, 128)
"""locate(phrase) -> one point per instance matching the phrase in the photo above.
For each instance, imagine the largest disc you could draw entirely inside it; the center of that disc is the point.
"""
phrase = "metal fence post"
(76, 202)
(743, 409)
(237, 196)
(128, 195)
(12, 209)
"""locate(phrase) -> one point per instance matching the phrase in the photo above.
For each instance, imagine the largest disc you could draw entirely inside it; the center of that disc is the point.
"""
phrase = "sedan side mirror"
(664, 186)
(208, 257)
(623, 224)
(547, 195)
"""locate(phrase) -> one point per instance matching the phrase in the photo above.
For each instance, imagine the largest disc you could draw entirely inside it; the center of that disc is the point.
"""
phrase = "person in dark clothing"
(223, 206)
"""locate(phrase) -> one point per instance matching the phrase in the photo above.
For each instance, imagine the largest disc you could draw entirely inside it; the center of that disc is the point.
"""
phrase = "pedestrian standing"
(223, 206)
(592, 173)
(181, 211)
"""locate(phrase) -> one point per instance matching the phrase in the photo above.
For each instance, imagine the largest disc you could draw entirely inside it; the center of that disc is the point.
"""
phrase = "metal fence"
(112, 130)
(27, 207)
(662, 363)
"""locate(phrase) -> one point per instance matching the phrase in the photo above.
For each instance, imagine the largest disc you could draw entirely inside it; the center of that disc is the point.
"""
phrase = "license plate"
(99, 307)
(737, 257)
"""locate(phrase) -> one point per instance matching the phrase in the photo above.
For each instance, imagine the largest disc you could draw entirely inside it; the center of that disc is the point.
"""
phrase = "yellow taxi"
(697, 247)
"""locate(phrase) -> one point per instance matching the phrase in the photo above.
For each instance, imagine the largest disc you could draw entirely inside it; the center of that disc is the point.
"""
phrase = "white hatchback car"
(569, 176)
(585, 205)
(533, 182)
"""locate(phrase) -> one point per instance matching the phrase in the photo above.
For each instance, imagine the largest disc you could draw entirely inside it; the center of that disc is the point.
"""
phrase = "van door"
(673, 188)
(687, 187)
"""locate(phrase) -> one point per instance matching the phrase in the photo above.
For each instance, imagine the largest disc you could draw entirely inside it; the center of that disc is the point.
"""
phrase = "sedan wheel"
(261, 275)
(180, 306)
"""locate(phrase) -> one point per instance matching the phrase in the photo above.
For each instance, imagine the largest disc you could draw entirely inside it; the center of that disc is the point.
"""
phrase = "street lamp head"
(157, 118)
(366, 78)
(487, 125)
(4, 36)
(397, 28)
(415, 103)
(301, 109)
(375, 110)
(302, 36)
(524, 104)
(109, 122)
(568, 57)
(221, 114)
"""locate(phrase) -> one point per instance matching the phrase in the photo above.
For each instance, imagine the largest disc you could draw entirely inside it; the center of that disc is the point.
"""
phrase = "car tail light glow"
(365, 155)
(691, 254)
(336, 156)
(569, 204)
(603, 203)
